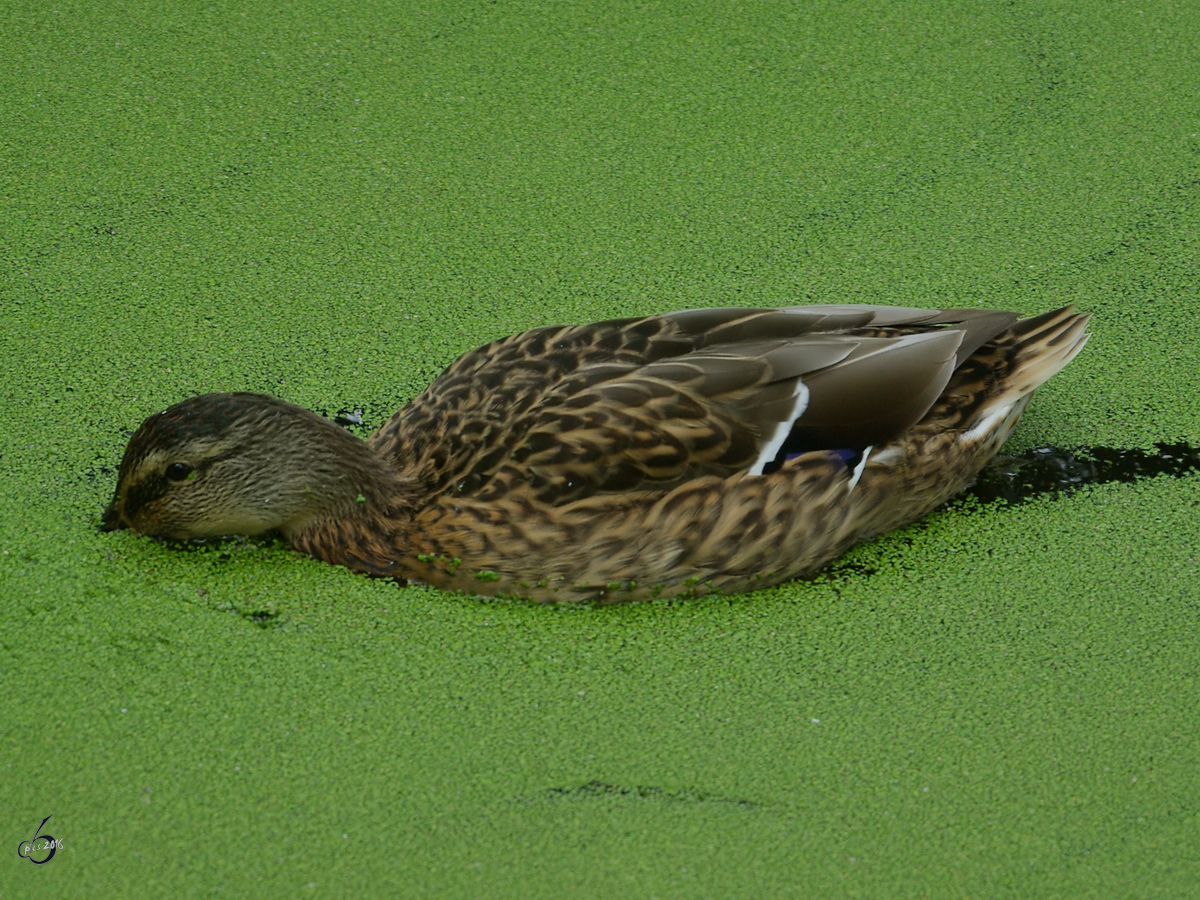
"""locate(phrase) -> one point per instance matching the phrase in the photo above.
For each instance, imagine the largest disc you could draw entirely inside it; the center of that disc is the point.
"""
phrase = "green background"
(330, 201)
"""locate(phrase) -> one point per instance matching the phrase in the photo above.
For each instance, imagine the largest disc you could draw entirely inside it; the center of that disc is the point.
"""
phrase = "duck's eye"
(178, 471)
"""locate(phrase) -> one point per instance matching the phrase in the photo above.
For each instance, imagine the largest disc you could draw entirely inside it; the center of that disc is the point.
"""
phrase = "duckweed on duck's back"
(704, 450)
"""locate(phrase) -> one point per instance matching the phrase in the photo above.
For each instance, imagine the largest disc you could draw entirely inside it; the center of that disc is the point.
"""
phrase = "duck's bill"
(111, 520)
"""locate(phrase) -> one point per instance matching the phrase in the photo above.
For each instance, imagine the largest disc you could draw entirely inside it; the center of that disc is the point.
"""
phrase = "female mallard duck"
(698, 451)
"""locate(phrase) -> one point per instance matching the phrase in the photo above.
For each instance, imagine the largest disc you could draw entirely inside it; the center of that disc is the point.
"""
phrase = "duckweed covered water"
(330, 202)
(1016, 478)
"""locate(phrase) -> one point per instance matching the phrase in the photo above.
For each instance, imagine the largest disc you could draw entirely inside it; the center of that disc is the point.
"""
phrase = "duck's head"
(223, 464)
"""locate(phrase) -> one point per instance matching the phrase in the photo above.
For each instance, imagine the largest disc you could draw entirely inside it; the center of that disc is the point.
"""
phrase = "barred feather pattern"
(685, 522)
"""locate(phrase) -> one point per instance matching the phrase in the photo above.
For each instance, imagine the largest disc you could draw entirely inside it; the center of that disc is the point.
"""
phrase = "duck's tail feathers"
(1040, 347)
(1032, 351)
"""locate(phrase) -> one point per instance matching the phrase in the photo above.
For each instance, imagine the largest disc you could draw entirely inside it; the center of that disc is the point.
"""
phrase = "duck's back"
(647, 404)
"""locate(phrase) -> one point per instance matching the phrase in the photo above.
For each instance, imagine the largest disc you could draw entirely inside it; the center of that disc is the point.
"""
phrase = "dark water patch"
(263, 617)
(1052, 470)
(594, 790)
(1045, 471)
(226, 548)
(838, 570)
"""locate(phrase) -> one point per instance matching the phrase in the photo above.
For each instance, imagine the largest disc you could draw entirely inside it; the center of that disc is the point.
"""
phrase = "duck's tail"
(1038, 347)
(971, 420)
(990, 389)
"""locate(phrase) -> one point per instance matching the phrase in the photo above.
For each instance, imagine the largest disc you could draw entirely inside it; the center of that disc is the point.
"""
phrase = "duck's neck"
(338, 481)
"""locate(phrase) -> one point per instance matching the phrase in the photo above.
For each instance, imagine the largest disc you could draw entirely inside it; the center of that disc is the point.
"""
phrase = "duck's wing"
(645, 404)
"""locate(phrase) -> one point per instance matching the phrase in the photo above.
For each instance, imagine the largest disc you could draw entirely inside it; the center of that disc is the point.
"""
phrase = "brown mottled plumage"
(698, 451)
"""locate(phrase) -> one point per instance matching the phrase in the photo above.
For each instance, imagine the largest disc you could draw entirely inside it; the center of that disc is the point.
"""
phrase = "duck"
(698, 452)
